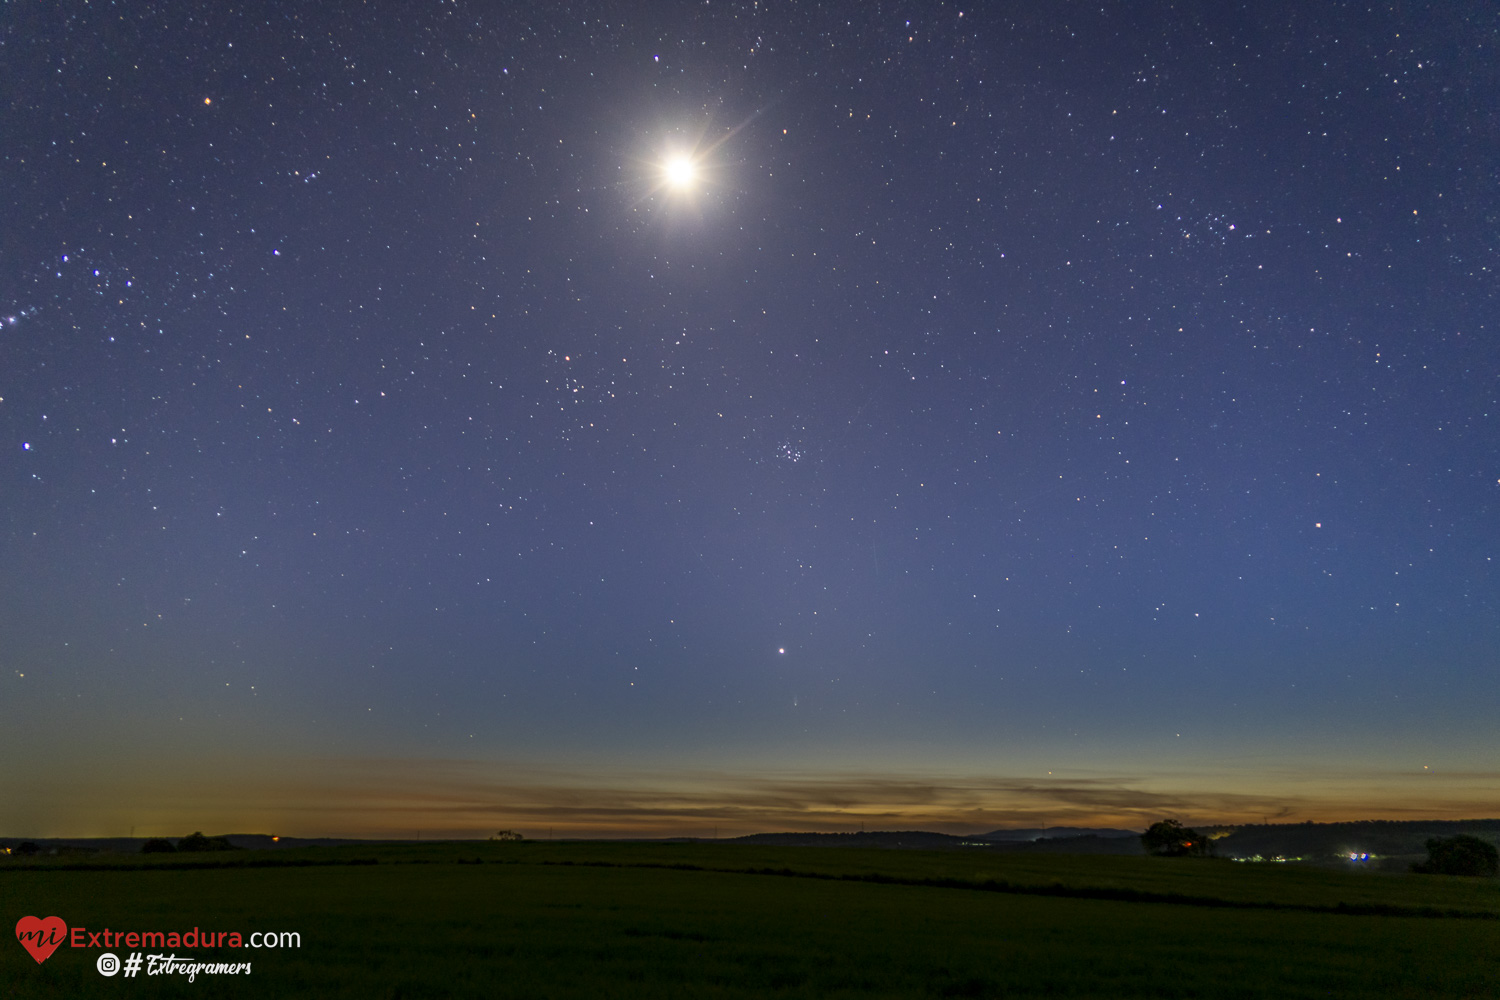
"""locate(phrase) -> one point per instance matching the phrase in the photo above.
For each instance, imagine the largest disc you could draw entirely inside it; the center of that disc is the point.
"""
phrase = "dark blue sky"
(1026, 389)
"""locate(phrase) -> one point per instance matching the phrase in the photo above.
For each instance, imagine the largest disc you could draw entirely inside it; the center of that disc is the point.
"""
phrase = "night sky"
(665, 417)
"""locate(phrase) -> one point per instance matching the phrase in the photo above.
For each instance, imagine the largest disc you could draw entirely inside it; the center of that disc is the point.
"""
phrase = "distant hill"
(909, 839)
(132, 845)
(1392, 844)
(1055, 832)
(1398, 842)
(1088, 843)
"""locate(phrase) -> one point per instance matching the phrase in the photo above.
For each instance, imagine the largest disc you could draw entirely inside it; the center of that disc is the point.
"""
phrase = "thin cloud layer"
(453, 798)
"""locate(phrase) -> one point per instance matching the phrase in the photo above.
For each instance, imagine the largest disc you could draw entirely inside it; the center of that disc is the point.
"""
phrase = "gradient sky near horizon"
(1012, 414)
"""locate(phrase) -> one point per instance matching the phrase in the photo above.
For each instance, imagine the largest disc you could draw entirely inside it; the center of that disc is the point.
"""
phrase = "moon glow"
(680, 172)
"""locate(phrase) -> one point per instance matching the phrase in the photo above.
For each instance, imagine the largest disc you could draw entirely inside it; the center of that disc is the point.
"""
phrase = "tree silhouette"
(1170, 839)
(1460, 855)
(197, 842)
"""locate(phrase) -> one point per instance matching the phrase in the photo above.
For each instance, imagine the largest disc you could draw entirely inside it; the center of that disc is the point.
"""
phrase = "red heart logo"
(41, 937)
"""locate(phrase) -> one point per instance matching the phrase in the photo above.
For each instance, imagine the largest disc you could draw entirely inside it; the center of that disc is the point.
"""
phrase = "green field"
(708, 920)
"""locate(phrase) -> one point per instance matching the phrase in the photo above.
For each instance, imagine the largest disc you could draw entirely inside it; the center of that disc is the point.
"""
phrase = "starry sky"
(642, 418)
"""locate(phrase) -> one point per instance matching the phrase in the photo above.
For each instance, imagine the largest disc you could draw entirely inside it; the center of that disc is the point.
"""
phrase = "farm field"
(725, 920)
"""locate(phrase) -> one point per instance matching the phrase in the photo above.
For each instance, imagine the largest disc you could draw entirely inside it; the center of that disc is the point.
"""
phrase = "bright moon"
(680, 172)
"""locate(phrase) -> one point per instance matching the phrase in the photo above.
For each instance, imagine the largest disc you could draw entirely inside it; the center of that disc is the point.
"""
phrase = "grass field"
(707, 920)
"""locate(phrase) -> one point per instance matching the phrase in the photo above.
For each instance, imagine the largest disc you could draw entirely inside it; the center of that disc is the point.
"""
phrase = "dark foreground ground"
(596, 920)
